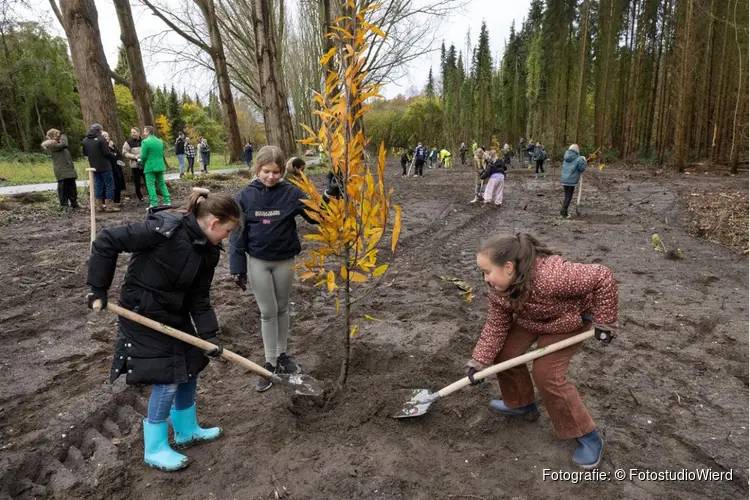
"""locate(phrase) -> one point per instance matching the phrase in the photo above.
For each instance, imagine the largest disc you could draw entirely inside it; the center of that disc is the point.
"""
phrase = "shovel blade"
(304, 385)
(417, 404)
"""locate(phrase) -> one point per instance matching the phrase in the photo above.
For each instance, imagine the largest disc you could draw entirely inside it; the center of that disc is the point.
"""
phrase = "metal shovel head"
(419, 401)
(304, 385)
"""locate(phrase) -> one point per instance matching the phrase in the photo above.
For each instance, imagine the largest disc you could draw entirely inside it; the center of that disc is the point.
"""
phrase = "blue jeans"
(181, 159)
(104, 182)
(183, 396)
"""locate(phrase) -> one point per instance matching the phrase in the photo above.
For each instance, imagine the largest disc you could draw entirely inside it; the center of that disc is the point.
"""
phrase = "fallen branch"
(632, 394)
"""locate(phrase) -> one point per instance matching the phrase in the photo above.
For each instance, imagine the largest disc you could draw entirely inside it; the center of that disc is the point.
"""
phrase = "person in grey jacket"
(56, 144)
(573, 166)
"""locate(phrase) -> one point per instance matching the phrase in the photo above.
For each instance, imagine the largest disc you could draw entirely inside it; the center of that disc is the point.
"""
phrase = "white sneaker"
(415, 175)
(476, 199)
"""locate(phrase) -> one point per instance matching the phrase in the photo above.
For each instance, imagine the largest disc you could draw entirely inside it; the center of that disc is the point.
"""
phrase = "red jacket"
(561, 292)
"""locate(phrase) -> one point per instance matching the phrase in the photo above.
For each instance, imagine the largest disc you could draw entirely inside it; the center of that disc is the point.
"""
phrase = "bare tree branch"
(119, 79)
(158, 13)
(56, 10)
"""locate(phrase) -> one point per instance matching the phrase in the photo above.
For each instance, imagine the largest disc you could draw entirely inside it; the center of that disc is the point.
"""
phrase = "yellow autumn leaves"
(350, 230)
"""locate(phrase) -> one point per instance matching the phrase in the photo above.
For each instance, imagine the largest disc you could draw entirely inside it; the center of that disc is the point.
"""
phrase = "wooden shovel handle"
(519, 360)
(185, 337)
(92, 203)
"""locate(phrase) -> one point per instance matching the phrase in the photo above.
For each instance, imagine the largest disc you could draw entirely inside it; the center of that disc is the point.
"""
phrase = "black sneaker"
(286, 365)
(265, 384)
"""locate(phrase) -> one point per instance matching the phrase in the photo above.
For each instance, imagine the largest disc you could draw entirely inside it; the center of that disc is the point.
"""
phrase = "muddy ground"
(670, 393)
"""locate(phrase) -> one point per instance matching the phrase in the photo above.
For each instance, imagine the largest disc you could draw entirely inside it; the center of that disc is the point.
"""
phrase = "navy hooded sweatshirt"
(270, 229)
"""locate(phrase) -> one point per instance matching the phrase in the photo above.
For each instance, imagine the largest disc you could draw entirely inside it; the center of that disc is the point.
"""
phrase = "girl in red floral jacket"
(537, 296)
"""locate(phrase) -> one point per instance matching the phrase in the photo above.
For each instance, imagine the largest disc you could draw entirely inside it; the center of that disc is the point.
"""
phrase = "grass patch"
(35, 168)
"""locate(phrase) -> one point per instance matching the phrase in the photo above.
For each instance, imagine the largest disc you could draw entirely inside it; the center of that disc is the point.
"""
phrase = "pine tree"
(198, 101)
(122, 63)
(483, 88)
(160, 102)
(430, 89)
(174, 113)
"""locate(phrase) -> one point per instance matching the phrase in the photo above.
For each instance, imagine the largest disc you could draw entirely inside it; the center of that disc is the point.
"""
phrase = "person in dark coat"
(179, 151)
(65, 172)
(118, 176)
(96, 149)
(173, 257)
(248, 154)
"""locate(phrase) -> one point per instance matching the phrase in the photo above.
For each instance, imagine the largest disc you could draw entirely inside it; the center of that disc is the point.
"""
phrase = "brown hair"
(294, 164)
(522, 250)
(220, 205)
(53, 134)
(268, 155)
(150, 129)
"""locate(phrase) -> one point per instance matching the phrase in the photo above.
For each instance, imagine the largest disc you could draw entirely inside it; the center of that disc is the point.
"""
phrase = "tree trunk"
(684, 90)
(653, 110)
(18, 116)
(234, 140)
(81, 24)
(582, 75)
(138, 83)
(721, 98)
(739, 109)
(276, 116)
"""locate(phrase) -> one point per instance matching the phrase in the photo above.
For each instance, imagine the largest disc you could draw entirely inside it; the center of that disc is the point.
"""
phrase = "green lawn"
(41, 172)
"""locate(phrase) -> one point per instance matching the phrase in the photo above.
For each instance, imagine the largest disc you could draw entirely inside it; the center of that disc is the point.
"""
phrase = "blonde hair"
(268, 155)
(522, 250)
(53, 134)
(137, 131)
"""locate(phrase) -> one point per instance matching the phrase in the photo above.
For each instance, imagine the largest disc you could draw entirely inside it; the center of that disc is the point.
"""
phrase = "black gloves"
(472, 372)
(604, 333)
(240, 280)
(213, 337)
(97, 294)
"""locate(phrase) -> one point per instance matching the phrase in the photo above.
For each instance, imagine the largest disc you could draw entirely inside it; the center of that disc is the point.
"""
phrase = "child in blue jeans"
(174, 254)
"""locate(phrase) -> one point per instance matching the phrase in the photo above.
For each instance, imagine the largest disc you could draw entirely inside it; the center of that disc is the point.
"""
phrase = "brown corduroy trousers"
(569, 416)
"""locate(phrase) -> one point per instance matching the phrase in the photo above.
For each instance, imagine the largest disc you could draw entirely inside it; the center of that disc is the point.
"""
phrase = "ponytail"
(220, 205)
(522, 250)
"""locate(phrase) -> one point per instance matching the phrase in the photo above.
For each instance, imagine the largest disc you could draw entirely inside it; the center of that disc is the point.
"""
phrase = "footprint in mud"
(87, 465)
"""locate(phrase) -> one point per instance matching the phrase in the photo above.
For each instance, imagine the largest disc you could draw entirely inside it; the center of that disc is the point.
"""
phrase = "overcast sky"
(498, 13)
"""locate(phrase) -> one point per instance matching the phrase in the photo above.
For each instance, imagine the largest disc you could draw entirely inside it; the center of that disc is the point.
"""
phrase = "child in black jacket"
(173, 257)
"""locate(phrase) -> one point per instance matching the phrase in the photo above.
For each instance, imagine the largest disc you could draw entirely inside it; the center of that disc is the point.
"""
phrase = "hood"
(570, 155)
(94, 131)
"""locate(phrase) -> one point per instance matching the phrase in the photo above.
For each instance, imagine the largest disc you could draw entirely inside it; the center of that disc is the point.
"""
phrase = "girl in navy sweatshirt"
(269, 237)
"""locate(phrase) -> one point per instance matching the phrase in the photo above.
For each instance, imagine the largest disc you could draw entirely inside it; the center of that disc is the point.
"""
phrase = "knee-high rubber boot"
(187, 432)
(157, 452)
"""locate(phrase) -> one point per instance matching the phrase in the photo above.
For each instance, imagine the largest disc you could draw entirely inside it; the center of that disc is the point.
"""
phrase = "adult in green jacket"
(152, 158)
(56, 144)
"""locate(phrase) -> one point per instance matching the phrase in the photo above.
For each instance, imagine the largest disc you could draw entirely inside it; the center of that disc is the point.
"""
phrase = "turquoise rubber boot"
(588, 453)
(186, 429)
(157, 452)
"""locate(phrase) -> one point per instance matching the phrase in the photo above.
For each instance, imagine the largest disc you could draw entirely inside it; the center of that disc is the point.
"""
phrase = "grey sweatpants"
(271, 282)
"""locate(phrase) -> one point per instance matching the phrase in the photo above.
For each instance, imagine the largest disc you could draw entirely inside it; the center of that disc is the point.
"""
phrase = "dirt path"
(670, 392)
